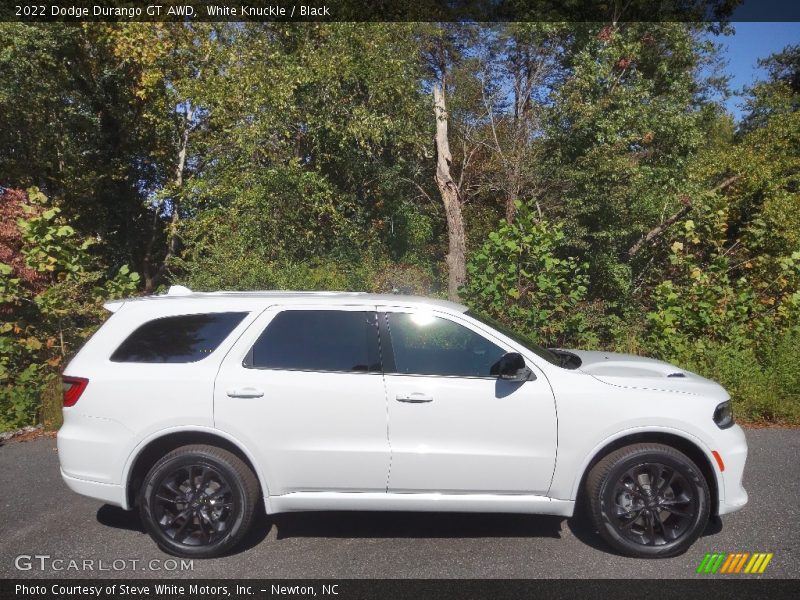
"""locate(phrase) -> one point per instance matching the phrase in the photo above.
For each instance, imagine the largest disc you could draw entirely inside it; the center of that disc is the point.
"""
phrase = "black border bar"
(406, 589)
(77, 11)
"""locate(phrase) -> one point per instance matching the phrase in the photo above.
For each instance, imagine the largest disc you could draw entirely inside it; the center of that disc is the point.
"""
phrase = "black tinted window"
(183, 339)
(318, 340)
(423, 344)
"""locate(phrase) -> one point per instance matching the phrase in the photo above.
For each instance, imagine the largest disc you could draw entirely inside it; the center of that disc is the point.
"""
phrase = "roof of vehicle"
(178, 292)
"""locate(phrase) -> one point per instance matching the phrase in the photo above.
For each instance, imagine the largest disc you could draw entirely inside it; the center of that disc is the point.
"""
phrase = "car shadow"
(369, 524)
(118, 518)
(414, 525)
(114, 516)
(582, 528)
(400, 525)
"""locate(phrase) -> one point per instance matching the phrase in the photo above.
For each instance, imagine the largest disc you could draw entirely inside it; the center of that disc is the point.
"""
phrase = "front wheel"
(648, 500)
(198, 501)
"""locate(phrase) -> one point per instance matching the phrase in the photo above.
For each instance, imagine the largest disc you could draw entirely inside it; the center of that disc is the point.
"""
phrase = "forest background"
(582, 182)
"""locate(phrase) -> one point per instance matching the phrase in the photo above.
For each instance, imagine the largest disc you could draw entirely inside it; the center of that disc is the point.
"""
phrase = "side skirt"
(488, 503)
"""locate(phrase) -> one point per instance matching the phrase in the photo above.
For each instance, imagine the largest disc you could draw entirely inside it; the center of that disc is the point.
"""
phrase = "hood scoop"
(626, 370)
(609, 364)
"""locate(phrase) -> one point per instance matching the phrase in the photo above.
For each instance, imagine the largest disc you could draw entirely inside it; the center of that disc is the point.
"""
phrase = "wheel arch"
(689, 445)
(157, 445)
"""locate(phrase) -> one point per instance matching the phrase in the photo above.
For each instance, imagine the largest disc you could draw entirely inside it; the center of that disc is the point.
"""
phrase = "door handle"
(245, 392)
(414, 398)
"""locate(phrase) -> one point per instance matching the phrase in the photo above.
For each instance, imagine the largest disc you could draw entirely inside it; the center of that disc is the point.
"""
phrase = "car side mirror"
(511, 367)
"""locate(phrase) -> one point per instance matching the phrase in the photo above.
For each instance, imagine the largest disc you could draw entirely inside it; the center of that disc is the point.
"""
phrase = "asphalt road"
(40, 516)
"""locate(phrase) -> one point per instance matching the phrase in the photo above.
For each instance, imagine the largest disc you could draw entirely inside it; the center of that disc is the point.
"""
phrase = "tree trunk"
(451, 198)
(152, 278)
(511, 198)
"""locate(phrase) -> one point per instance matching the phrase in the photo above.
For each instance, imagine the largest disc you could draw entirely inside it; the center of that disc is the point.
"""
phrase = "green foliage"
(227, 249)
(279, 155)
(519, 277)
(51, 405)
(75, 124)
(707, 305)
(623, 130)
(764, 385)
(312, 137)
(729, 299)
(51, 296)
(780, 93)
(723, 290)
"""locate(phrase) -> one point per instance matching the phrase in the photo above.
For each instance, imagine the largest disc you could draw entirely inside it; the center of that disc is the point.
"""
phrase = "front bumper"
(734, 455)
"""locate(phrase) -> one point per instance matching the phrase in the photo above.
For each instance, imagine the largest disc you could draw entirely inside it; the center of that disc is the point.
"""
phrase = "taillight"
(73, 388)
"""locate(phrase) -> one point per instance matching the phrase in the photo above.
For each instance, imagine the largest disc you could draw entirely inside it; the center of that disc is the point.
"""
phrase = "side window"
(182, 339)
(424, 344)
(318, 340)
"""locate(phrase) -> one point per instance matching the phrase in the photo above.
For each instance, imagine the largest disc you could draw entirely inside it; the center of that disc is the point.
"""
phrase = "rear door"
(303, 389)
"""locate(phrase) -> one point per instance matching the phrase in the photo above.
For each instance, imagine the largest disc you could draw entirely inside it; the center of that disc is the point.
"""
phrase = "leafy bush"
(730, 309)
(292, 229)
(519, 276)
(765, 387)
(51, 295)
(715, 296)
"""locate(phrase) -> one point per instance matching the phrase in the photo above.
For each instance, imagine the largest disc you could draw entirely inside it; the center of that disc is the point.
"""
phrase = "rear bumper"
(93, 448)
(91, 454)
(107, 492)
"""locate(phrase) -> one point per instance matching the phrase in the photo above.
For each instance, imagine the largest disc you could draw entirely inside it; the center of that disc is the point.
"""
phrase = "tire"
(648, 500)
(198, 501)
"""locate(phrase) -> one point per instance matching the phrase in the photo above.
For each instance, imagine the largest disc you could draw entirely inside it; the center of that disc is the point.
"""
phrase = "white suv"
(193, 407)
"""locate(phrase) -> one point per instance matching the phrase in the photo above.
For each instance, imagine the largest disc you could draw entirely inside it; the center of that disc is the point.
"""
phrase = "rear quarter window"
(179, 339)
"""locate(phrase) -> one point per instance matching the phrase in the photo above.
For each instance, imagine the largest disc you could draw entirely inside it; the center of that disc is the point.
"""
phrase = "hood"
(627, 370)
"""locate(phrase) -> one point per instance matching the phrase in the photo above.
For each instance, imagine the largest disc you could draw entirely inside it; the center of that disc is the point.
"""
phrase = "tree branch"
(659, 229)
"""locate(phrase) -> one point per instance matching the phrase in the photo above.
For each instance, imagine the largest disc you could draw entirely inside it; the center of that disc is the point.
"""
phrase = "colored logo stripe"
(741, 562)
(720, 562)
(726, 565)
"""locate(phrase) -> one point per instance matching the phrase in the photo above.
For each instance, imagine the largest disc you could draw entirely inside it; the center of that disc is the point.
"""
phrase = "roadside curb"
(23, 435)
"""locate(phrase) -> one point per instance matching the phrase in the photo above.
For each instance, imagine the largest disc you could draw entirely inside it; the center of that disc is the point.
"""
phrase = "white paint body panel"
(311, 431)
(125, 403)
(426, 502)
(477, 435)
(331, 441)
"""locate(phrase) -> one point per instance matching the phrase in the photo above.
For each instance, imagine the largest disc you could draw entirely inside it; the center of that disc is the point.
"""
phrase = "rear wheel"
(198, 501)
(648, 500)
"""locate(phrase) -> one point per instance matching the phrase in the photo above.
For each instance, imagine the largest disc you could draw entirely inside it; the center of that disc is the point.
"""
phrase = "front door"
(453, 427)
(303, 390)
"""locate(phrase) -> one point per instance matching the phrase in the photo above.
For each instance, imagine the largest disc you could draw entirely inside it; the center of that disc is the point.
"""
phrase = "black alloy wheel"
(198, 501)
(194, 505)
(653, 504)
(648, 500)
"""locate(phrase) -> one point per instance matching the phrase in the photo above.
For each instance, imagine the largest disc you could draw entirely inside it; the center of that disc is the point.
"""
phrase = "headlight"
(723, 415)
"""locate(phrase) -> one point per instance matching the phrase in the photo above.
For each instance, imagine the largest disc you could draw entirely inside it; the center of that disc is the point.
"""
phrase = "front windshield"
(517, 337)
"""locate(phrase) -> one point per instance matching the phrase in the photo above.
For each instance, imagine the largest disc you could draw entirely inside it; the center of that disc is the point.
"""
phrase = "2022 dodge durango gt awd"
(194, 407)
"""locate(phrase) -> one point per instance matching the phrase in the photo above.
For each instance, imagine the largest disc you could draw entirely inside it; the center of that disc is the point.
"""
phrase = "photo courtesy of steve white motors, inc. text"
(187, 11)
(169, 589)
